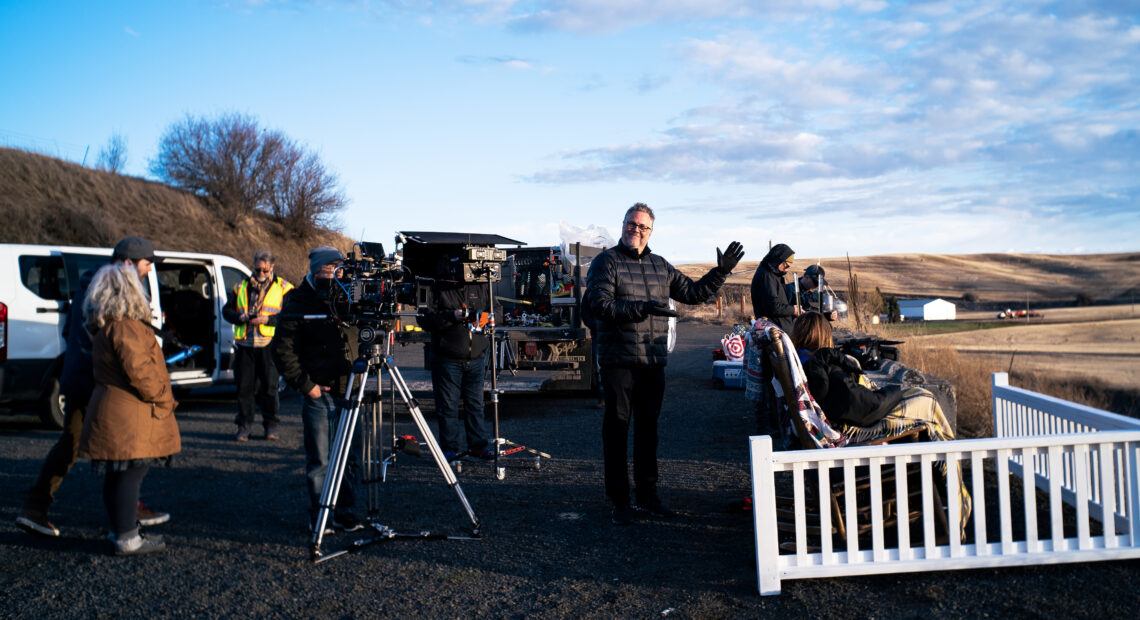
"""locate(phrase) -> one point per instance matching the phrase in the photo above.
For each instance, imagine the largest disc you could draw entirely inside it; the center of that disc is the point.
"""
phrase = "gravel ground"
(238, 546)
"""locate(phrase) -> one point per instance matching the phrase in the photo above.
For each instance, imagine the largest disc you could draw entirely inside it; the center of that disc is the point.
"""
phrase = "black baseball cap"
(134, 248)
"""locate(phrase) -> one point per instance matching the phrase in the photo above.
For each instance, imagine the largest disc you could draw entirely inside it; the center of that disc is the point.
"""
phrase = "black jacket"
(312, 352)
(617, 287)
(77, 380)
(832, 380)
(451, 338)
(769, 299)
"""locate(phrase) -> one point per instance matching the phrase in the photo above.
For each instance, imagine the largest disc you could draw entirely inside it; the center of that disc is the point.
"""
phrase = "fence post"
(998, 379)
(764, 515)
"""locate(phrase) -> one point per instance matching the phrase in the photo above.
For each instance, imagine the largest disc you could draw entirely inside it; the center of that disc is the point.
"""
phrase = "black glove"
(727, 261)
(658, 308)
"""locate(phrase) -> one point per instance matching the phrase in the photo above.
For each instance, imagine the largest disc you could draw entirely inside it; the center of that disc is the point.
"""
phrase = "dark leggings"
(121, 497)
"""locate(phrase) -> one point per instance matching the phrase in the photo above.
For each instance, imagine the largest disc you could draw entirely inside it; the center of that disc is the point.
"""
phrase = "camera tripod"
(372, 361)
(502, 447)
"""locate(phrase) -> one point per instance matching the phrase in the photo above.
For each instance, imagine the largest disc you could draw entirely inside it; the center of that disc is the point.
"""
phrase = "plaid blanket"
(823, 434)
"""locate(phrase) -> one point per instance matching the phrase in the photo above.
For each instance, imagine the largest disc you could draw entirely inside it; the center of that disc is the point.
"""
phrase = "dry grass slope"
(44, 200)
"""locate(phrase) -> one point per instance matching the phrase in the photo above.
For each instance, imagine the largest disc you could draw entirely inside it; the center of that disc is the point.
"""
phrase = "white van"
(37, 283)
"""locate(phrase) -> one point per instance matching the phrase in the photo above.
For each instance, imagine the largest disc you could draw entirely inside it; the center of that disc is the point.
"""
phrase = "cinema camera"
(375, 289)
(373, 286)
(473, 263)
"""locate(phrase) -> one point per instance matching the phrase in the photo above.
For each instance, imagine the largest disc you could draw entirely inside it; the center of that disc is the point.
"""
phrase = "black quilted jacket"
(618, 284)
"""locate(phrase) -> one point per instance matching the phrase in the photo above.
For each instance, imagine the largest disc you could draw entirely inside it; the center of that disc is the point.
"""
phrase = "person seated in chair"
(849, 398)
(863, 412)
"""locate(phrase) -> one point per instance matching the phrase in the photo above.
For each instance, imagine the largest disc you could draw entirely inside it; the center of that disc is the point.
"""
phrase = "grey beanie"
(319, 257)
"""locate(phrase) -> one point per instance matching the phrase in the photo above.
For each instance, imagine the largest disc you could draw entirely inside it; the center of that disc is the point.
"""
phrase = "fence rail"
(1039, 519)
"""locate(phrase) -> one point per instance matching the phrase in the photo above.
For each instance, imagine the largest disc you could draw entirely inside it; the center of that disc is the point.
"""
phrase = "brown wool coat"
(131, 412)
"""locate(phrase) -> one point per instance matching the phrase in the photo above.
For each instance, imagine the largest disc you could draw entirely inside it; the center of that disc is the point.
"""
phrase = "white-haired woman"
(130, 418)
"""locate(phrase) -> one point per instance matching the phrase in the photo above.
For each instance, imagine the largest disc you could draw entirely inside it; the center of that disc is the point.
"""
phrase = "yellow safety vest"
(269, 306)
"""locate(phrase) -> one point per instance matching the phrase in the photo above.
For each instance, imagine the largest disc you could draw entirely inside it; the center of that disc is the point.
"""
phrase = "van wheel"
(50, 406)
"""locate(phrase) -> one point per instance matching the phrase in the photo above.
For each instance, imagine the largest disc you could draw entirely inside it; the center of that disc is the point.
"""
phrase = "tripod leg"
(338, 459)
(429, 438)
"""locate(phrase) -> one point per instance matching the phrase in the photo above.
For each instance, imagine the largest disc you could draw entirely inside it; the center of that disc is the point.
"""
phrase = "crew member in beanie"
(76, 383)
(315, 358)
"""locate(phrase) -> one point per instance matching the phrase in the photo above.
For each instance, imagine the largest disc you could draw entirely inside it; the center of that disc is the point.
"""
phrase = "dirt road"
(238, 545)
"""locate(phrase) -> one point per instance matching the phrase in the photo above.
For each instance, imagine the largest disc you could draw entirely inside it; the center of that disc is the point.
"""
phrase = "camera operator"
(315, 358)
(456, 319)
(809, 295)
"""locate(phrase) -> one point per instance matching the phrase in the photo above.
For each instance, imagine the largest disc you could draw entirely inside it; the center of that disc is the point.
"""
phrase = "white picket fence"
(1096, 455)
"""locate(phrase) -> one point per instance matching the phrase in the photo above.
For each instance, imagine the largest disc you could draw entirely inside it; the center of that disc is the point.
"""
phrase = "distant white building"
(927, 310)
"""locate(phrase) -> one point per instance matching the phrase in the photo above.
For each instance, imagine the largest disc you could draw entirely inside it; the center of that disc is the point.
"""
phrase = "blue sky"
(838, 127)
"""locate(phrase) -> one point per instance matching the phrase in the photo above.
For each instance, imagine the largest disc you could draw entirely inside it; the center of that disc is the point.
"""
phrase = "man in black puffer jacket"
(628, 290)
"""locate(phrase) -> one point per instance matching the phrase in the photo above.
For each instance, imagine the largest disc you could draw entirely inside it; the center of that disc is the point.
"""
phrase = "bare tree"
(303, 192)
(228, 159)
(113, 155)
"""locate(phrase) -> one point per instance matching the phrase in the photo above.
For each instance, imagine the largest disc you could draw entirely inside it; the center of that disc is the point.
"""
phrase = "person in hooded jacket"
(769, 299)
(628, 289)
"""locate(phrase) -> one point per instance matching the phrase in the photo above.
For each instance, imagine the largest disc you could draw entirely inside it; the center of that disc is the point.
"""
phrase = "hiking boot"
(139, 544)
(271, 433)
(348, 523)
(242, 434)
(622, 515)
(145, 516)
(36, 524)
(654, 508)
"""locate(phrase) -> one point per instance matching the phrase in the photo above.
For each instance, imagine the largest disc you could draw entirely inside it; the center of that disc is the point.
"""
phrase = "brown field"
(994, 278)
(1106, 351)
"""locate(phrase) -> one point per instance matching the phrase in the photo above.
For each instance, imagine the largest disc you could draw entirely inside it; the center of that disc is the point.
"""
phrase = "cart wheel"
(500, 473)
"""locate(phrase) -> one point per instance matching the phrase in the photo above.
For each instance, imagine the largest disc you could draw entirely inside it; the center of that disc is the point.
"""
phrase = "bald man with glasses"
(628, 291)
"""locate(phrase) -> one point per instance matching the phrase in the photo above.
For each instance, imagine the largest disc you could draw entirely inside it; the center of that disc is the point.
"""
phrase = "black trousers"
(631, 393)
(256, 377)
(121, 498)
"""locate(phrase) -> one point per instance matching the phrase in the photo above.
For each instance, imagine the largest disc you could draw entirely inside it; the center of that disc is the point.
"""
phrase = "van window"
(45, 276)
(231, 277)
(79, 265)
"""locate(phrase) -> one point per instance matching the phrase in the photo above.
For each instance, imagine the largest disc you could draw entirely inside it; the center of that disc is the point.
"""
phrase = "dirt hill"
(45, 200)
(988, 278)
